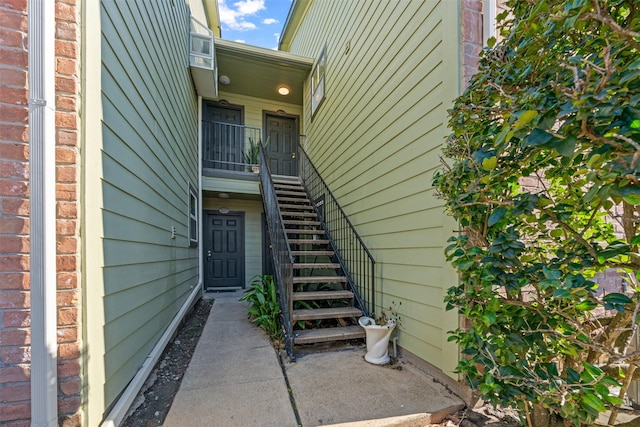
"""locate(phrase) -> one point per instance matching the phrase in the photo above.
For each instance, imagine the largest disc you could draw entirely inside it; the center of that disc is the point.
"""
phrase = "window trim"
(192, 214)
(318, 84)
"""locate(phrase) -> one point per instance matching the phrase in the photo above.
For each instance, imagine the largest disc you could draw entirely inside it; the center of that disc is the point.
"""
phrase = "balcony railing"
(228, 147)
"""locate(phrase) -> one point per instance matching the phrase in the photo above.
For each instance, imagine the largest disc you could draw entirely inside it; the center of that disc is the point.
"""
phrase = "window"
(317, 81)
(193, 216)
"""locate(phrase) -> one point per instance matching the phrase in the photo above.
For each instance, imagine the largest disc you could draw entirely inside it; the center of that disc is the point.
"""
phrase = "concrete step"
(310, 336)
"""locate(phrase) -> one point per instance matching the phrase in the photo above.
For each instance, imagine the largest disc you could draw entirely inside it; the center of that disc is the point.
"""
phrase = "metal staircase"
(319, 285)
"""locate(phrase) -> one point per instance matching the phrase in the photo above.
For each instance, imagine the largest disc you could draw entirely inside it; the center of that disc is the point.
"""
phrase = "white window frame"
(318, 81)
(192, 207)
(489, 24)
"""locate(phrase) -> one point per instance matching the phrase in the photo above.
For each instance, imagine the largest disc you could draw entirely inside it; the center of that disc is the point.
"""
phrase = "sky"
(255, 22)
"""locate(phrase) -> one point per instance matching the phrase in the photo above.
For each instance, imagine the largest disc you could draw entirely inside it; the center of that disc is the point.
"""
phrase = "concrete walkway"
(235, 379)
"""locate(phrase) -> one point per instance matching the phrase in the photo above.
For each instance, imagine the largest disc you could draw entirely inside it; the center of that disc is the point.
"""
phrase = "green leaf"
(593, 402)
(538, 137)
(617, 298)
(489, 163)
(635, 124)
(586, 305)
(526, 118)
(567, 146)
(496, 216)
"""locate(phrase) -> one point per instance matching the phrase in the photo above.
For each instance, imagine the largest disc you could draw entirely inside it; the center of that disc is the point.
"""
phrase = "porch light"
(223, 195)
(283, 90)
(225, 80)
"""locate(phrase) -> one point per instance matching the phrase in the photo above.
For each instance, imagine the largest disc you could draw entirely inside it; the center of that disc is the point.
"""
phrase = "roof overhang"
(259, 72)
(296, 12)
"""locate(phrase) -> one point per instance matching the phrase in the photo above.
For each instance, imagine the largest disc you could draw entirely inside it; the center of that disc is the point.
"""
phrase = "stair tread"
(288, 186)
(325, 313)
(303, 231)
(316, 295)
(290, 193)
(302, 214)
(303, 265)
(293, 199)
(309, 241)
(299, 222)
(309, 336)
(301, 253)
(288, 206)
(320, 279)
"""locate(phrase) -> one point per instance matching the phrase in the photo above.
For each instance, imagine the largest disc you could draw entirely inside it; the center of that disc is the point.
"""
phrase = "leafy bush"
(556, 102)
(263, 306)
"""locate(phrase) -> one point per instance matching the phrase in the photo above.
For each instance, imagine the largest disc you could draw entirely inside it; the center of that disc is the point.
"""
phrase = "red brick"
(67, 137)
(66, 49)
(15, 96)
(63, 173)
(15, 299)
(23, 423)
(12, 38)
(15, 355)
(74, 420)
(15, 393)
(67, 299)
(66, 31)
(67, 280)
(68, 368)
(13, 169)
(66, 227)
(19, 5)
(16, 319)
(66, 103)
(66, 192)
(67, 316)
(14, 412)
(69, 405)
(66, 120)
(66, 263)
(13, 188)
(14, 225)
(14, 374)
(13, 19)
(69, 351)
(13, 114)
(14, 133)
(66, 84)
(65, 209)
(67, 335)
(70, 387)
(18, 207)
(13, 77)
(66, 155)
(15, 337)
(14, 281)
(66, 66)
(66, 245)
(65, 12)
(14, 244)
(14, 263)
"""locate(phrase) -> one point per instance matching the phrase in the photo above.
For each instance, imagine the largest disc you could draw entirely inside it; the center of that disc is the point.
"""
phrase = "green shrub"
(263, 306)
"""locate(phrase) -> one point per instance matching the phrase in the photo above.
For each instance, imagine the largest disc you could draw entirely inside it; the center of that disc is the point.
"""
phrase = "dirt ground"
(154, 400)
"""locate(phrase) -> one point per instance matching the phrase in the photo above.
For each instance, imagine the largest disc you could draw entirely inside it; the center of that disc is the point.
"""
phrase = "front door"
(283, 142)
(222, 136)
(224, 250)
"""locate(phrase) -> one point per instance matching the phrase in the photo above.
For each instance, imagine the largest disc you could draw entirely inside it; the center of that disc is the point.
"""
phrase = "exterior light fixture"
(225, 80)
(223, 195)
(283, 90)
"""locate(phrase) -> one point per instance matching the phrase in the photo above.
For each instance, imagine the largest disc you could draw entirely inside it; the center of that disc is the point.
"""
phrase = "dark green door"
(283, 142)
(224, 250)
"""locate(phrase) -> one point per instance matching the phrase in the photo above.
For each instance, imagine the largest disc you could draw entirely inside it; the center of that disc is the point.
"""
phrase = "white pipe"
(42, 140)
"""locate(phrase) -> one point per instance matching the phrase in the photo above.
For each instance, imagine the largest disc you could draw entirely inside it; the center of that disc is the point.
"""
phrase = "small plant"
(264, 310)
(389, 315)
(252, 155)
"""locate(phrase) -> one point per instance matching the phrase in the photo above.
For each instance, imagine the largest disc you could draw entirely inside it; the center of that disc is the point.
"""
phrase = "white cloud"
(240, 41)
(235, 17)
(270, 21)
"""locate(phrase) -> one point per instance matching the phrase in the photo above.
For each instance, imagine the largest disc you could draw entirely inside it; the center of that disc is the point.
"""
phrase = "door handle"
(293, 155)
(208, 255)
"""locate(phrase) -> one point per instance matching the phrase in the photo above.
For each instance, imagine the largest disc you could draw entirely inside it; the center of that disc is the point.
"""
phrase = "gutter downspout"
(42, 199)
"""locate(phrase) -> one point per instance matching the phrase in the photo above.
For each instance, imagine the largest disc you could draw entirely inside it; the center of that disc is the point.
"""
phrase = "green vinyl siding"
(392, 72)
(149, 157)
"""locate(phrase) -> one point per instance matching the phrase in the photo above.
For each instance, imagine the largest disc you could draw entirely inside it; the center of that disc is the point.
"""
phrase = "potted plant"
(252, 155)
(378, 331)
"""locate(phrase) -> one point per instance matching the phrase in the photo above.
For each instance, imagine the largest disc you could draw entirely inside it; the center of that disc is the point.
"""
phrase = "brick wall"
(67, 74)
(15, 351)
(472, 36)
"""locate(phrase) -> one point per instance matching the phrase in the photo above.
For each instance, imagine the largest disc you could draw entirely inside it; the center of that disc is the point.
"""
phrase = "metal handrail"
(281, 254)
(354, 256)
(224, 145)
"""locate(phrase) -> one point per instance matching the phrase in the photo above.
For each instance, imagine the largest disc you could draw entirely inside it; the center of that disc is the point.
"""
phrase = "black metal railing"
(281, 254)
(229, 147)
(356, 260)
